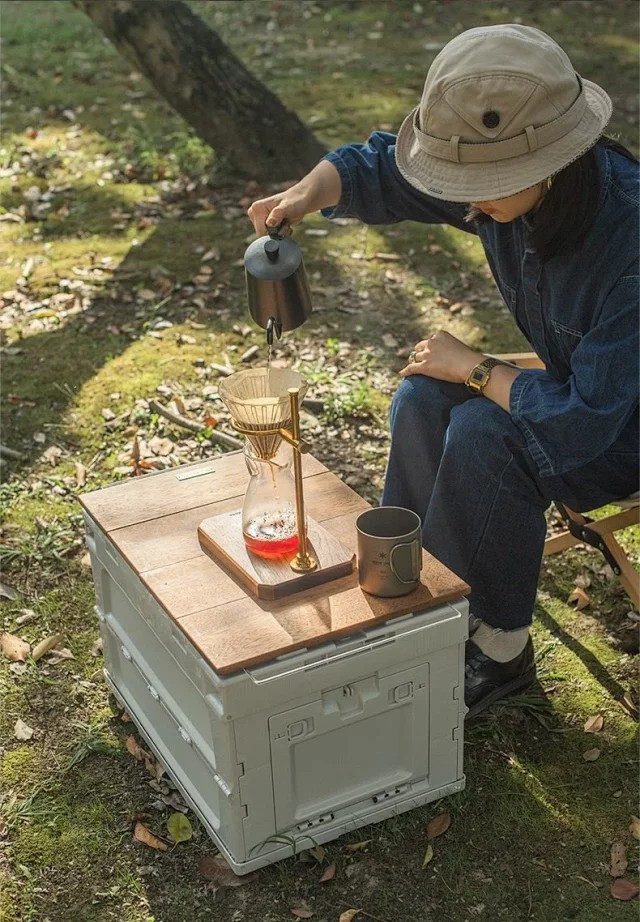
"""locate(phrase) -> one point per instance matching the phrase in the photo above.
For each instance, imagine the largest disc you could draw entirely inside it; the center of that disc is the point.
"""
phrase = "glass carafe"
(269, 511)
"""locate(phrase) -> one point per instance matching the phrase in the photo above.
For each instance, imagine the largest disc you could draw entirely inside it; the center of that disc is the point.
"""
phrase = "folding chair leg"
(598, 534)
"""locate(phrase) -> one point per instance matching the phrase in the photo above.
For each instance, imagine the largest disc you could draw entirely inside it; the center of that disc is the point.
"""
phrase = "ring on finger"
(412, 355)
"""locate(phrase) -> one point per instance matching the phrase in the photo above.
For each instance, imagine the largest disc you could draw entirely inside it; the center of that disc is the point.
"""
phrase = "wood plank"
(305, 620)
(144, 498)
(222, 539)
(171, 538)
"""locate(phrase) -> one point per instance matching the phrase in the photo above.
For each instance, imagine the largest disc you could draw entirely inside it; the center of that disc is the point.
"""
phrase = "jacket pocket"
(565, 339)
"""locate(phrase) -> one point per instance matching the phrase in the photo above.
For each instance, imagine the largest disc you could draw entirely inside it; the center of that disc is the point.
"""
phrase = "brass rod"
(303, 560)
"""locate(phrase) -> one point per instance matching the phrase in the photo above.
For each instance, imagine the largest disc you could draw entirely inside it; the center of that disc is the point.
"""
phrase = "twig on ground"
(10, 452)
(194, 426)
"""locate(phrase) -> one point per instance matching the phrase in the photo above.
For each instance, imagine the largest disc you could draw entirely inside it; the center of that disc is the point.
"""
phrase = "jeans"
(463, 466)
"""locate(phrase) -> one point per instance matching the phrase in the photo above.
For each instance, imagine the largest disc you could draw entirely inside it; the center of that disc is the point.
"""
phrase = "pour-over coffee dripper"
(264, 406)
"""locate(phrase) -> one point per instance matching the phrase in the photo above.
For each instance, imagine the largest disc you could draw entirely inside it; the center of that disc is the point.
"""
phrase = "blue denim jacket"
(580, 314)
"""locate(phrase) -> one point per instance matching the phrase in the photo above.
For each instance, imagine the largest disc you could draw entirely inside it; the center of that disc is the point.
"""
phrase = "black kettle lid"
(272, 257)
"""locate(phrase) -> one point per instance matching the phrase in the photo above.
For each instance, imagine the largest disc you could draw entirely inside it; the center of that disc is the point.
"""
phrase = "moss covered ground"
(121, 237)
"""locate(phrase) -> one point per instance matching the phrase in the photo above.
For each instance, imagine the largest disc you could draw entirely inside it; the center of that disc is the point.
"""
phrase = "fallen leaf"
(85, 560)
(302, 913)
(58, 655)
(147, 294)
(329, 874)
(215, 868)
(136, 750)
(46, 645)
(349, 915)
(22, 731)
(52, 455)
(179, 827)
(124, 717)
(623, 889)
(318, 852)
(578, 599)
(428, 855)
(108, 414)
(96, 647)
(14, 648)
(594, 724)
(591, 755)
(438, 825)
(144, 835)
(619, 863)
(629, 705)
(358, 847)
(583, 581)
(8, 592)
(634, 827)
(81, 474)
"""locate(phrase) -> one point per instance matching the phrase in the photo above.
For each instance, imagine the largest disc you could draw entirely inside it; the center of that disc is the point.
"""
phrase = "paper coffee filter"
(258, 399)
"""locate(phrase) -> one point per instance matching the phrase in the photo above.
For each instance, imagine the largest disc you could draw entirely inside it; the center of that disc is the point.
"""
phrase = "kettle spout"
(273, 326)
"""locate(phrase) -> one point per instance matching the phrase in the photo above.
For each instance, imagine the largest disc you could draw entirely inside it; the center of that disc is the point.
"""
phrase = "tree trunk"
(202, 79)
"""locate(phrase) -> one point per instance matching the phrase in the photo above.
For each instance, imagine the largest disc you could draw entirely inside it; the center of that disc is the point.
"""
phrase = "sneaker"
(486, 680)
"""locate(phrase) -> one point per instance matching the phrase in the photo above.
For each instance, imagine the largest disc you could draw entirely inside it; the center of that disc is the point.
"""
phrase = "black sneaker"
(486, 680)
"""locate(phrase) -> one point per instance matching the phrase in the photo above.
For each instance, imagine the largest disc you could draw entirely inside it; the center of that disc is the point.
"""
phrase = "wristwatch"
(479, 376)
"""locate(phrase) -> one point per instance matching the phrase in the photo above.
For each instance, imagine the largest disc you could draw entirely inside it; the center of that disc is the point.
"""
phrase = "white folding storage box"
(306, 744)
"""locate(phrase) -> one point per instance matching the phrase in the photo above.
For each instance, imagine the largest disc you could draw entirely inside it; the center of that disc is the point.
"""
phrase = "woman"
(507, 144)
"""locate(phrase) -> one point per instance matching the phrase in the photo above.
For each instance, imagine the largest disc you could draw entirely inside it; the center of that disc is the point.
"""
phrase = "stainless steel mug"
(389, 551)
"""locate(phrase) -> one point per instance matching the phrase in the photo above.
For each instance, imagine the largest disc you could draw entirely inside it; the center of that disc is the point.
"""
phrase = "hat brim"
(478, 182)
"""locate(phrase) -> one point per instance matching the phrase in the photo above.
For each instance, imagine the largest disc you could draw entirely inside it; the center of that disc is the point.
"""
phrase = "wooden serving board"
(221, 536)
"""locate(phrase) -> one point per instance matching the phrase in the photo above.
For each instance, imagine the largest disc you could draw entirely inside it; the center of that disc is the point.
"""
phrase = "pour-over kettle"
(277, 287)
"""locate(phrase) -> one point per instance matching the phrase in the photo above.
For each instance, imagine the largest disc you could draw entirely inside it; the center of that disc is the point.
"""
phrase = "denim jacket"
(580, 314)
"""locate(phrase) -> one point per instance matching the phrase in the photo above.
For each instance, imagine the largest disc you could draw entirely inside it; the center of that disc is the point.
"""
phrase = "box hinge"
(312, 824)
(389, 793)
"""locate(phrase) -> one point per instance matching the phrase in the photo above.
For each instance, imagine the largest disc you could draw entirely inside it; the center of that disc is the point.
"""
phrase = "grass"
(127, 202)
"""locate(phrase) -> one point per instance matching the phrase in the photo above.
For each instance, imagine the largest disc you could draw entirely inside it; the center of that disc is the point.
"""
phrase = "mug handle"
(416, 561)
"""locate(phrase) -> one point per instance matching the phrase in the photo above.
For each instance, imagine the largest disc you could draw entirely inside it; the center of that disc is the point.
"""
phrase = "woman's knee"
(420, 399)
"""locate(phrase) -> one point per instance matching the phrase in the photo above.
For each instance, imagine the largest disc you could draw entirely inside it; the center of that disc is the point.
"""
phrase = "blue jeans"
(462, 465)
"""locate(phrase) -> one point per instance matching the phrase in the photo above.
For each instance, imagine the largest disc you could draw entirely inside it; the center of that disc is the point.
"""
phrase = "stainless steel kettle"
(277, 286)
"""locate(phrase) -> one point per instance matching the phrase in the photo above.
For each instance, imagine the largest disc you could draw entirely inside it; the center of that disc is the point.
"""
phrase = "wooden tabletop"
(153, 521)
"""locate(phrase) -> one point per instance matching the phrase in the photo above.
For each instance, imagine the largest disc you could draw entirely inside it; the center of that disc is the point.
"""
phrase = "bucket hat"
(502, 109)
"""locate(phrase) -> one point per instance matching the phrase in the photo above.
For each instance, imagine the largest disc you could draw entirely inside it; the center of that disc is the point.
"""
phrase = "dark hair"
(567, 211)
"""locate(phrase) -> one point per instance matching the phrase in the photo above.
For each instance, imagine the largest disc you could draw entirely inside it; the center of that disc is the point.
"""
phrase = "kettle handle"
(275, 232)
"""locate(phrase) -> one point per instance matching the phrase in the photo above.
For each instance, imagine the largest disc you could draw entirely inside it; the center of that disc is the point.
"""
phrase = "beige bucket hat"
(502, 109)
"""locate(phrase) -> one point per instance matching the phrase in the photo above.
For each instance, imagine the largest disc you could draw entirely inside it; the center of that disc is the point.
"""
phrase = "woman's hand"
(291, 205)
(321, 188)
(444, 357)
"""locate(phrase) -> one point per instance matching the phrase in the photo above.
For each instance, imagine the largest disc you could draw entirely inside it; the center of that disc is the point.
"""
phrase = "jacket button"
(491, 119)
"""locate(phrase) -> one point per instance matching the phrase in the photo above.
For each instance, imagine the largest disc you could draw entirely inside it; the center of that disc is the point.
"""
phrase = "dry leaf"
(634, 827)
(349, 915)
(329, 874)
(302, 913)
(619, 863)
(438, 825)
(623, 889)
(357, 847)
(14, 648)
(591, 755)
(594, 724)
(318, 852)
(46, 645)
(578, 599)
(428, 855)
(125, 718)
(142, 834)
(81, 474)
(216, 869)
(22, 731)
(583, 581)
(137, 751)
(86, 560)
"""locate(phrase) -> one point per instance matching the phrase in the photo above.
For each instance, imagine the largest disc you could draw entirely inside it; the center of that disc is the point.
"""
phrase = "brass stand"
(303, 562)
